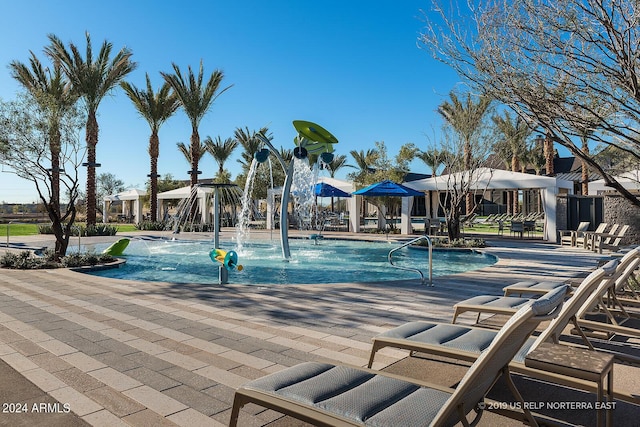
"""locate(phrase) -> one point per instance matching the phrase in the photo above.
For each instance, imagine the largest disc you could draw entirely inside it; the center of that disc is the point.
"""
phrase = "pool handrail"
(417, 270)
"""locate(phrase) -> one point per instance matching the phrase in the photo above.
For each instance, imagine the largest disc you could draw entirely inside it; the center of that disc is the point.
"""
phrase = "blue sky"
(353, 67)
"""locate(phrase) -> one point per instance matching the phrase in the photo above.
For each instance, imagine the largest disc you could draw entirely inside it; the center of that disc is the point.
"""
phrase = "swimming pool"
(328, 261)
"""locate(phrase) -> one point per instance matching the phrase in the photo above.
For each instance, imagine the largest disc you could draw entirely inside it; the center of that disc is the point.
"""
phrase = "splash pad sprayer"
(228, 260)
(312, 139)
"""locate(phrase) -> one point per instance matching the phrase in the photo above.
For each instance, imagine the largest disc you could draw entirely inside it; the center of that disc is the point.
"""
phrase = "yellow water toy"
(228, 259)
(117, 248)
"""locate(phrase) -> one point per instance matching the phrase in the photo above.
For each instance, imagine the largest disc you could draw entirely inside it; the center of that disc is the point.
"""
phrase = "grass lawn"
(31, 229)
(19, 229)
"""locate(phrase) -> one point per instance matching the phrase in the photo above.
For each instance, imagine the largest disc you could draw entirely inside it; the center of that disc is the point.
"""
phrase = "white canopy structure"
(494, 179)
(629, 180)
(131, 204)
(203, 194)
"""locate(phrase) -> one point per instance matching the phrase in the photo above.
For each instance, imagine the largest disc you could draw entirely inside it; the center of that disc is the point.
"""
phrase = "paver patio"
(146, 353)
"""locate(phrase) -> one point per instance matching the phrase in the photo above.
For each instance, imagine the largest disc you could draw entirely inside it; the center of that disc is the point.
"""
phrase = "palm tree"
(92, 79)
(55, 95)
(364, 163)
(187, 152)
(338, 162)
(432, 158)
(250, 144)
(515, 134)
(535, 155)
(196, 99)
(465, 118)
(221, 151)
(155, 108)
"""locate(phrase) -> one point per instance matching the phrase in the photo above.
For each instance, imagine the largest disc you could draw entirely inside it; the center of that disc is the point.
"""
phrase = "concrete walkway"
(115, 353)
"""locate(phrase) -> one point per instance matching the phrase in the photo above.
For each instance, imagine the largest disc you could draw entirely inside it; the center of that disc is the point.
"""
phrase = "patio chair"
(611, 240)
(463, 342)
(570, 236)
(517, 227)
(330, 395)
(490, 304)
(589, 237)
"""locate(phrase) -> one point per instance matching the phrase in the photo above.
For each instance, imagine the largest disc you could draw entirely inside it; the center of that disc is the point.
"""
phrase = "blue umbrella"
(325, 190)
(388, 188)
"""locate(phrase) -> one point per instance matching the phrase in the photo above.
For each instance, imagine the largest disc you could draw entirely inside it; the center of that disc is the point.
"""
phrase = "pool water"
(328, 261)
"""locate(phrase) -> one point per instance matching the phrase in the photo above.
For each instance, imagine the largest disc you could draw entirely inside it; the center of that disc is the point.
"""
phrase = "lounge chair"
(466, 342)
(569, 236)
(331, 395)
(610, 317)
(508, 305)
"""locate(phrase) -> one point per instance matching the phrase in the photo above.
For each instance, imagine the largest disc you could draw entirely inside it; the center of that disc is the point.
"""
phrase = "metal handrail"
(9, 226)
(390, 256)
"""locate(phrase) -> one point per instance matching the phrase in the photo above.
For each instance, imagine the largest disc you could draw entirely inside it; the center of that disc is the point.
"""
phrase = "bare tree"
(462, 177)
(546, 60)
(25, 134)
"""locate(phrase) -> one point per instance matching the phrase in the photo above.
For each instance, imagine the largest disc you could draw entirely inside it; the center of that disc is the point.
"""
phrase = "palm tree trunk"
(92, 141)
(467, 167)
(154, 148)
(548, 155)
(195, 159)
(585, 168)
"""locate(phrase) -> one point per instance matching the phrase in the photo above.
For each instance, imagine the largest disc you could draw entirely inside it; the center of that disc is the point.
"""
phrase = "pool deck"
(120, 353)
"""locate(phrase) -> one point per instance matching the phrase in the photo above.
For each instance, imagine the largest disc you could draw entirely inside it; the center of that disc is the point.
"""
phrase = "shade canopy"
(629, 180)
(387, 188)
(322, 189)
(496, 179)
(488, 179)
(131, 194)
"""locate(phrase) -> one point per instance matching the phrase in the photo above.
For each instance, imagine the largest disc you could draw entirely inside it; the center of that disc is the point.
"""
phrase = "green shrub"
(45, 229)
(98, 230)
(26, 260)
(151, 226)
(457, 243)
(92, 230)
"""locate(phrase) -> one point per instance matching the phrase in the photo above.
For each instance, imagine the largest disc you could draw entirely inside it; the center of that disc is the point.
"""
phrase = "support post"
(284, 214)
(216, 218)
(223, 275)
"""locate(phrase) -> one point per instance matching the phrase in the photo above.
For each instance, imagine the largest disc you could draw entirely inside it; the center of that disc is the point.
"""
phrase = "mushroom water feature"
(311, 139)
